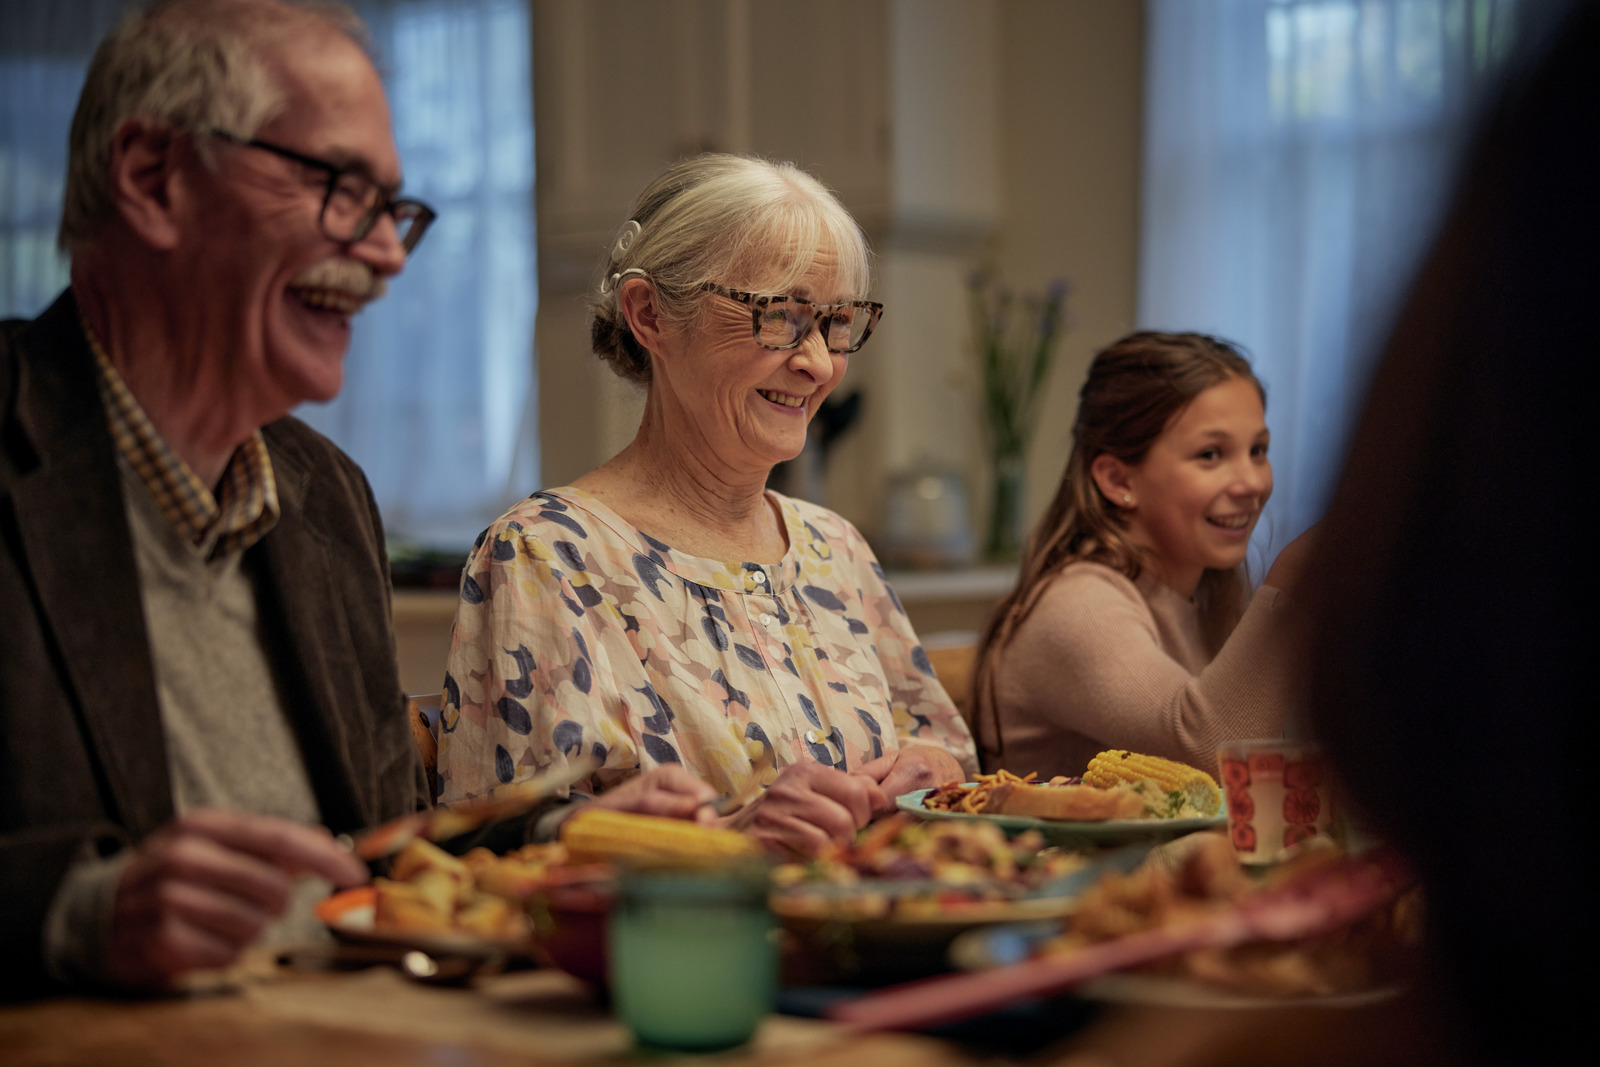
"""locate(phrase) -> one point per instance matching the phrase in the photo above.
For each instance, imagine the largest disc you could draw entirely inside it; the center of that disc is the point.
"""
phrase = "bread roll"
(1074, 803)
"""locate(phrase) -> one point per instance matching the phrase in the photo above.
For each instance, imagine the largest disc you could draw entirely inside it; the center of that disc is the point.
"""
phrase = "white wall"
(958, 131)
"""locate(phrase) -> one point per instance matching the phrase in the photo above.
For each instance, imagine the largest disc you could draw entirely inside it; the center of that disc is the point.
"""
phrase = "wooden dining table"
(270, 1015)
(279, 1016)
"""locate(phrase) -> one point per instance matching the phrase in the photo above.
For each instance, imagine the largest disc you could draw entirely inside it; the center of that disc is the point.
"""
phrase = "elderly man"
(197, 655)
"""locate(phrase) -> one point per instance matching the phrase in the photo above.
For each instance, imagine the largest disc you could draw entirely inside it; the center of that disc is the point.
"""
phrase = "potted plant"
(1015, 343)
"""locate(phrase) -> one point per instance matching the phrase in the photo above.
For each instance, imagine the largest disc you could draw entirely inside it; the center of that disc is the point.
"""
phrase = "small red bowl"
(573, 926)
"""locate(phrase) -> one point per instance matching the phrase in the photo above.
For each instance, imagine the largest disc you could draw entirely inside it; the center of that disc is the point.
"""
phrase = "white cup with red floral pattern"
(1279, 794)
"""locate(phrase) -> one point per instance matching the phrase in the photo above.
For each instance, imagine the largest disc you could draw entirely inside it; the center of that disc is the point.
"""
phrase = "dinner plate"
(349, 916)
(1179, 993)
(895, 929)
(897, 947)
(886, 949)
(1080, 836)
(1004, 945)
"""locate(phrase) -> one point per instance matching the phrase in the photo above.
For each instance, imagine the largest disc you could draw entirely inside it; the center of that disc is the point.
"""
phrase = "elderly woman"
(667, 609)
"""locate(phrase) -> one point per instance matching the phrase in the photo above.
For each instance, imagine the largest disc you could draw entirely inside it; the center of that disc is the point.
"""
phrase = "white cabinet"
(622, 87)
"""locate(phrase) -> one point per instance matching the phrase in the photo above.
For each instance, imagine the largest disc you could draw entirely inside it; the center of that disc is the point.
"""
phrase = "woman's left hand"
(913, 767)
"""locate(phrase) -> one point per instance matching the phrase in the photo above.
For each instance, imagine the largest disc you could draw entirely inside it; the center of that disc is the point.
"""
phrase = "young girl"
(1128, 627)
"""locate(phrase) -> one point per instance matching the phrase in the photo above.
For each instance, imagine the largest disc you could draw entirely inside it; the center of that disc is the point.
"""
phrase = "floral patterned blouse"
(578, 636)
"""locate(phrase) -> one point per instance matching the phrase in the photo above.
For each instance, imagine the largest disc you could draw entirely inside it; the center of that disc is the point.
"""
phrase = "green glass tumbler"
(693, 955)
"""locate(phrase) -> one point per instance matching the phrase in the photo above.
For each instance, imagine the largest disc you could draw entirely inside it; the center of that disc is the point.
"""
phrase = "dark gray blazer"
(82, 755)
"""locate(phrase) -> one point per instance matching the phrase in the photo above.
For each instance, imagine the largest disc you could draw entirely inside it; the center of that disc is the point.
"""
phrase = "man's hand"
(913, 767)
(810, 805)
(203, 887)
(671, 791)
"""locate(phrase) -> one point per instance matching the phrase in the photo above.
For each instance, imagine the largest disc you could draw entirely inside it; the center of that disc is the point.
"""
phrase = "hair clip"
(625, 238)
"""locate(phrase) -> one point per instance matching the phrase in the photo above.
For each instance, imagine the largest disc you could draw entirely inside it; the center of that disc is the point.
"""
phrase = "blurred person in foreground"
(197, 668)
(1132, 624)
(1454, 595)
(666, 608)
(1451, 596)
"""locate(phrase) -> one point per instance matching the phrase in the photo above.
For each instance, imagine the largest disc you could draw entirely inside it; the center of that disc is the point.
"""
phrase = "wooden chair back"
(423, 712)
(954, 664)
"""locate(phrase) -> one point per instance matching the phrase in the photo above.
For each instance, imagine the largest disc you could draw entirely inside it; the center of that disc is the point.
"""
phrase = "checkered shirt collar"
(238, 516)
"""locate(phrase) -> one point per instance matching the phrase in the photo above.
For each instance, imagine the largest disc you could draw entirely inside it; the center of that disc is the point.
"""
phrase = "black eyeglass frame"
(758, 303)
(421, 214)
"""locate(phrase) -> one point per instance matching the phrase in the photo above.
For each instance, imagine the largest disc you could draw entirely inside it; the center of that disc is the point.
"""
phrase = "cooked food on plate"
(1173, 790)
(594, 833)
(973, 797)
(430, 891)
(1374, 950)
(1073, 803)
(1118, 785)
(910, 868)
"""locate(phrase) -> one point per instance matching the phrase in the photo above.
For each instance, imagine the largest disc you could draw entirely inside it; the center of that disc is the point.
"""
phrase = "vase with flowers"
(1015, 343)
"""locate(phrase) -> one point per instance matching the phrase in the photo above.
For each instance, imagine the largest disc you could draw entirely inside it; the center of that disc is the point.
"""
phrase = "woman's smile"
(788, 400)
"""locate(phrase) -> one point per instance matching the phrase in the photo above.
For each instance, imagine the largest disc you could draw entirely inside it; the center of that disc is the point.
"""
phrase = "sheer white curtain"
(439, 396)
(45, 47)
(439, 401)
(1297, 153)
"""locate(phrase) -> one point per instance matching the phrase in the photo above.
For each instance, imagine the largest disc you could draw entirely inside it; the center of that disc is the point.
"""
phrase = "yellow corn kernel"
(593, 833)
(1119, 765)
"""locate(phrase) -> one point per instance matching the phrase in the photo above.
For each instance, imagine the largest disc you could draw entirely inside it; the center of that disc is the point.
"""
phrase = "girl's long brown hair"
(1136, 386)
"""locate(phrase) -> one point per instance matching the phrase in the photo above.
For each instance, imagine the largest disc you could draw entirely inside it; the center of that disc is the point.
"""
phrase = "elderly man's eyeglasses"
(353, 201)
(785, 321)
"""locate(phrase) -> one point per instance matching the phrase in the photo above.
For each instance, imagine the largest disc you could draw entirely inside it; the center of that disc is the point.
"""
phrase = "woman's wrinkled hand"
(669, 791)
(809, 806)
(913, 767)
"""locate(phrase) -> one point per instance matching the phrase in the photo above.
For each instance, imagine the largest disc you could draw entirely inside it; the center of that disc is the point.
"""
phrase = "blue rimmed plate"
(882, 947)
(1079, 836)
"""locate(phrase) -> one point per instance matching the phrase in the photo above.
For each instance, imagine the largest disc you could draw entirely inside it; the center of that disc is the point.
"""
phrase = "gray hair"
(190, 65)
(734, 220)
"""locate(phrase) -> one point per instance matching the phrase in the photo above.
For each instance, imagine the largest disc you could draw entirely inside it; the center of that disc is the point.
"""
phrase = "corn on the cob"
(1119, 765)
(599, 834)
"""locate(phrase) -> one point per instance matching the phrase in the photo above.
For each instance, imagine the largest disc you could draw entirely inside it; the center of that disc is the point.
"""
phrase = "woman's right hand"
(670, 791)
(809, 806)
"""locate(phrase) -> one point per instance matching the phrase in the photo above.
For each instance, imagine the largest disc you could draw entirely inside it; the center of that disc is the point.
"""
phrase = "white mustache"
(343, 275)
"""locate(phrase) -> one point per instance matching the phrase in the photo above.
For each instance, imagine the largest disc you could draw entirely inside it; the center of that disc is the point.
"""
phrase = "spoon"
(448, 970)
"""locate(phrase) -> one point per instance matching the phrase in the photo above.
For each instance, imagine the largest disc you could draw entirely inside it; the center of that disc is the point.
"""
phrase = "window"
(439, 396)
(1297, 156)
(44, 51)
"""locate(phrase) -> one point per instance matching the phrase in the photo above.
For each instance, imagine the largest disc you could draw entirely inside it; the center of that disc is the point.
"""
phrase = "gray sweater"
(229, 742)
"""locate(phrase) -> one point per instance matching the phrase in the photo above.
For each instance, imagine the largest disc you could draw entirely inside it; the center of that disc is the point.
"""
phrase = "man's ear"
(144, 179)
(642, 310)
(1111, 475)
